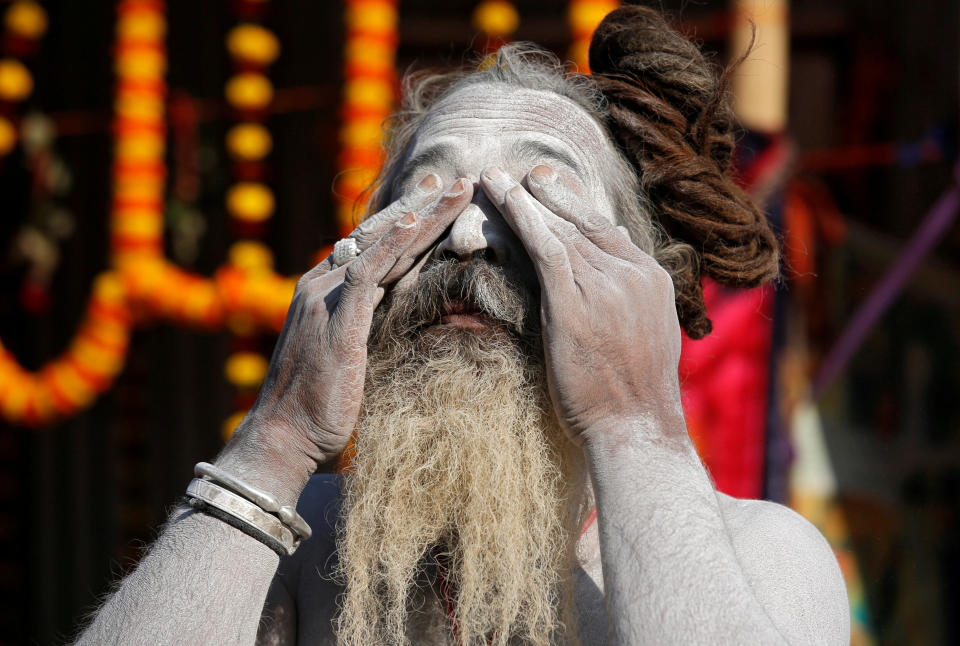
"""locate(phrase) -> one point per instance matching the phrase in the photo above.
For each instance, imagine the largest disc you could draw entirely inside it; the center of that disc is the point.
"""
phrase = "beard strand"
(461, 469)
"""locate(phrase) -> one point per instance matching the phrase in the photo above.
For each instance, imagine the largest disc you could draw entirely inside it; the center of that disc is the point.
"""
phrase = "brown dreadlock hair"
(669, 114)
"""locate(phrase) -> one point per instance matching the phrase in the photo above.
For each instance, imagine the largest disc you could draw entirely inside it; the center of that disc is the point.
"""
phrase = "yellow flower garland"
(24, 20)
(368, 97)
(253, 47)
(583, 16)
(496, 18)
(144, 282)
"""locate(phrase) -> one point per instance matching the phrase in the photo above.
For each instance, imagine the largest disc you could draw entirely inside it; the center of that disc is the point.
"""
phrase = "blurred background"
(167, 170)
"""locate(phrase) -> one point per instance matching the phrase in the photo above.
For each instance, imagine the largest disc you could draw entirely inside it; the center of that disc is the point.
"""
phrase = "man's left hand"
(610, 328)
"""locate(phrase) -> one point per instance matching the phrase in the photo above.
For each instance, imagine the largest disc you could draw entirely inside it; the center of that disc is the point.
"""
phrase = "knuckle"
(516, 193)
(553, 256)
(662, 279)
(370, 235)
(381, 219)
(595, 223)
(660, 274)
(566, 232)
(364, 238)
(355, 274)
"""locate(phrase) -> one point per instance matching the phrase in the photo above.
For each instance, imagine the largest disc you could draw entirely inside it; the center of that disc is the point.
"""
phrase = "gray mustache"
(478, 285)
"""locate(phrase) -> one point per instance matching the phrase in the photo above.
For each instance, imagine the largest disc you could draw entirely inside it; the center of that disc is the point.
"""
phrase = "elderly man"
(500, 340)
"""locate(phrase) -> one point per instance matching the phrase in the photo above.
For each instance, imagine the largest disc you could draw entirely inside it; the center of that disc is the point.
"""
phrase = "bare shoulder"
(791, 569)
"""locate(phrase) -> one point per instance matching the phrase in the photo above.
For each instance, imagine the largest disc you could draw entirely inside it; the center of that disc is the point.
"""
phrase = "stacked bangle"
(252, 511)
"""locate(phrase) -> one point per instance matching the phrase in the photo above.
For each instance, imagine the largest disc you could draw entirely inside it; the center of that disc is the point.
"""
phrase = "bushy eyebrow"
(437, 156)
(533, 149)
(447, 154)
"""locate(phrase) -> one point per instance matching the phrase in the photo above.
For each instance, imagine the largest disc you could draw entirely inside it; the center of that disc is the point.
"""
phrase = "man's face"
(493, 125)
(457, 441)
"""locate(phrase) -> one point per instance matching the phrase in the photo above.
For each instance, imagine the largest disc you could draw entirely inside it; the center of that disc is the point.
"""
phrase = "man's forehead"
(513, 108)
(489, 119)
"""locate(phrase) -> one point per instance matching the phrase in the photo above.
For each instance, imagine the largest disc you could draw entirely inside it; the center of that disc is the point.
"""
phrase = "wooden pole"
(760, 85)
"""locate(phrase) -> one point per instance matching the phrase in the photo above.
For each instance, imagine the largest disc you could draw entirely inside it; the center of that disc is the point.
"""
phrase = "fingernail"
(407, 221)
(544, 174)
(516, 193)
(495, 174)
(429, 183)
(457, 189)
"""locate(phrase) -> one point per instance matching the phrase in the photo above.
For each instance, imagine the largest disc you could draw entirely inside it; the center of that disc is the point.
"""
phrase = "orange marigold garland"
(75, 379)
(139, 170)
(155, 286)
(368, 96)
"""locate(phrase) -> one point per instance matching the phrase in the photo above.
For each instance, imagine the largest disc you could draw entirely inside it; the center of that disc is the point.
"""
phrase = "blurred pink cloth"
(724, 379)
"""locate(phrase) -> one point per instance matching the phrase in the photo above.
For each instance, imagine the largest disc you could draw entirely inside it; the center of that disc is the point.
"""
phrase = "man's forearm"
(670, 572)
(203, 582)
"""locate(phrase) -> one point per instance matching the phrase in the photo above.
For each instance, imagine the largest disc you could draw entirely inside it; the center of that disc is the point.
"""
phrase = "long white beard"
(462, 474)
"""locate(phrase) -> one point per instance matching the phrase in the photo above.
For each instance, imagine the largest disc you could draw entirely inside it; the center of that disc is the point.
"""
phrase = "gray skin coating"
(669, 560)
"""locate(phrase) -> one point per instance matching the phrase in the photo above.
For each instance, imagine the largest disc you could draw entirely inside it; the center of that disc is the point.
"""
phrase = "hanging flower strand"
(24, 23)
(368, 97)
(74, 380)
(250, 201)
(139, 170)
(155, 286)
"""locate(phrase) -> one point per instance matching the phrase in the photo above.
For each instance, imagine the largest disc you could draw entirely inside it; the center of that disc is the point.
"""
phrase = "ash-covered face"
(487, 126)
(457, 440)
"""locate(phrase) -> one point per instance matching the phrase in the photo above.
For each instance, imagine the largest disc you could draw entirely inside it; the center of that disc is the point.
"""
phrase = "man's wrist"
(665, 428)
(268, 459)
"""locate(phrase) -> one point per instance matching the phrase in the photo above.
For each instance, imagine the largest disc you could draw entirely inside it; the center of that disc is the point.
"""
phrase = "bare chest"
(429, 624)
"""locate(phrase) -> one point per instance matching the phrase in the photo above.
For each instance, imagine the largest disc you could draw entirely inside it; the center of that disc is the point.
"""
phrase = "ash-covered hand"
(309, 402)
(610, 329)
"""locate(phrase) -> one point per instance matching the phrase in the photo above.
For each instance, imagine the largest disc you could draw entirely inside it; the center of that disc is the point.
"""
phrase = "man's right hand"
(309, 402)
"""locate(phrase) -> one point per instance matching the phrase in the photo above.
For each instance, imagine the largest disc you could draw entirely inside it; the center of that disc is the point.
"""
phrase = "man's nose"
(479, 233)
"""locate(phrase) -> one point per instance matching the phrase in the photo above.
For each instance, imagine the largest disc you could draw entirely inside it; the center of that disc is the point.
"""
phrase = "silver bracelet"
(243, 515)
(287, 514)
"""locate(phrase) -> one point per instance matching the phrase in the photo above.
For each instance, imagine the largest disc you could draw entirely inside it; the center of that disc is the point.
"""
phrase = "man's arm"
(612, 342)
(708, 569)
(204, 582)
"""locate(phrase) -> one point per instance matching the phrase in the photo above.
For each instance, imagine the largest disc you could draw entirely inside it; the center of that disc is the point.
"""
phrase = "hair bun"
(637, 43)
(669, 114)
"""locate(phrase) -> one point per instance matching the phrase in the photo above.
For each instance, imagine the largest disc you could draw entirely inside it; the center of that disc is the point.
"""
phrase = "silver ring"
(344, 250)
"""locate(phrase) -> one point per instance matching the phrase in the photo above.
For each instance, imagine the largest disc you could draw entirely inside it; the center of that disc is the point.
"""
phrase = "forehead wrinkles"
(486, 110)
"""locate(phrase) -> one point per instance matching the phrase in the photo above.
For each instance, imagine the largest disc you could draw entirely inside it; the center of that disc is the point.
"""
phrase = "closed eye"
(540, 152)
(441, 155)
